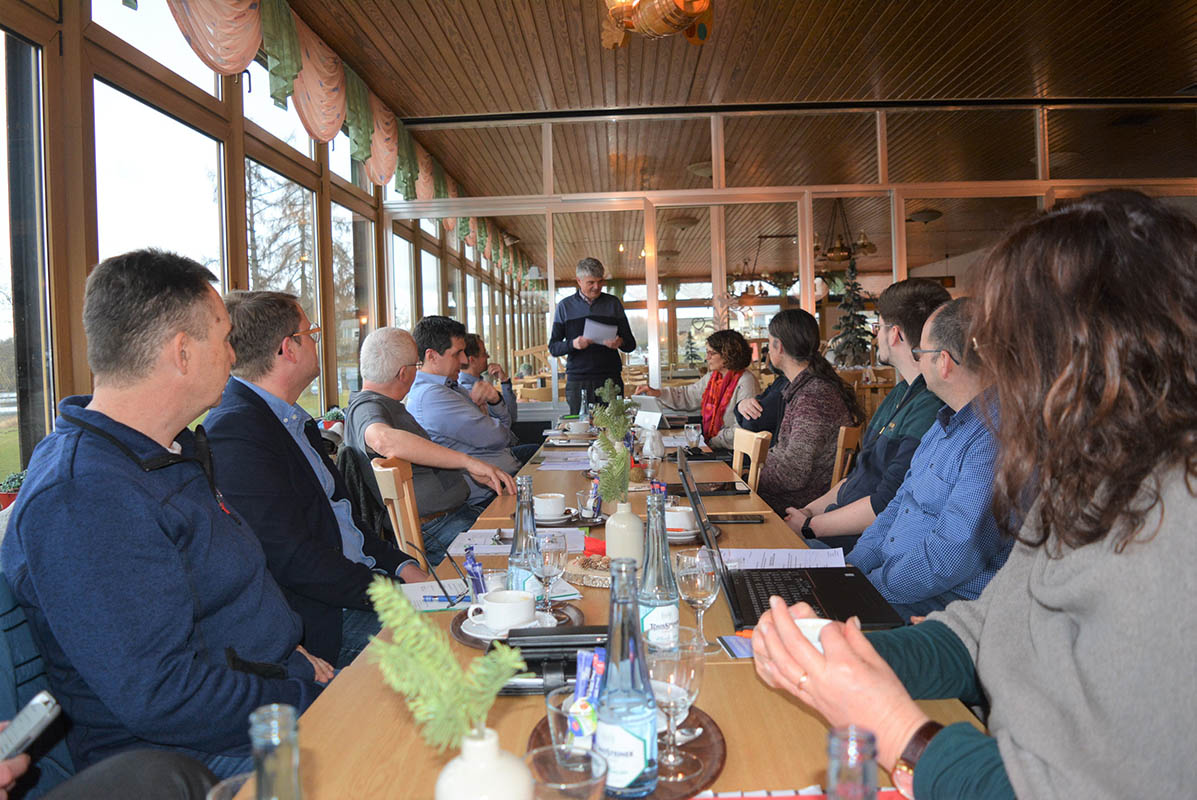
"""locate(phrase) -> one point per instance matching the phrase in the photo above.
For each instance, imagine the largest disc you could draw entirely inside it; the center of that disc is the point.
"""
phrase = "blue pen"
(437, 598)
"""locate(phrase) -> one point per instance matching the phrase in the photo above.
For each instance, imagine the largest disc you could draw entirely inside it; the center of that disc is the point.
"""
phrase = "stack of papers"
(487, 542)
(572, 460)
(679, 440)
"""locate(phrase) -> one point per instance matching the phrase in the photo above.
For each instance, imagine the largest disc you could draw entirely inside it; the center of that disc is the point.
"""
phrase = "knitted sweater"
(798, 467)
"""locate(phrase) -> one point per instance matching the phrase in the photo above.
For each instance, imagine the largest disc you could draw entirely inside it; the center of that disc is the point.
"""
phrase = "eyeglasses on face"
(313, 331)
(915, 352)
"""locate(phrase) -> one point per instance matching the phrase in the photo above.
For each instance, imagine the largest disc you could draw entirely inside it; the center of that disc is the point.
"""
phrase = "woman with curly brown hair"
(1083, 644)
(715, 394)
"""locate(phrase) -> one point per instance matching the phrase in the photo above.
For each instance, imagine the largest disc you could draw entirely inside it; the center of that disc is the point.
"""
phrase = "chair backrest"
(756, 447)
(543, 395)
(22, 675)
(399, 496)
(846, 448)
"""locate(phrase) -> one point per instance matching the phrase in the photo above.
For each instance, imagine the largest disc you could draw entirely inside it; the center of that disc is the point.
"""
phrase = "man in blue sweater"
(148, 597)
(589, 364)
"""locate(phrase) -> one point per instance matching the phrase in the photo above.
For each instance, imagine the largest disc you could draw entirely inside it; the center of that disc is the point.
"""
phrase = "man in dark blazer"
(275, 473)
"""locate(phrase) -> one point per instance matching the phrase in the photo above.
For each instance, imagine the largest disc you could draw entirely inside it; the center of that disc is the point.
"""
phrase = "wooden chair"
(846, 448)
(756, 447)
(399, 496)
(544, 395)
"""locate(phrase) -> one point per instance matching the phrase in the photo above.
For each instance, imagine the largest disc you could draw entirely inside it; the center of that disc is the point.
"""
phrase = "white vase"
(625, 535)
(484, 772)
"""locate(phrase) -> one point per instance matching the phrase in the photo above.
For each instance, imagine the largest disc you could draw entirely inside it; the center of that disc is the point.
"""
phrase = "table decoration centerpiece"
(449, 703)
(624, 530)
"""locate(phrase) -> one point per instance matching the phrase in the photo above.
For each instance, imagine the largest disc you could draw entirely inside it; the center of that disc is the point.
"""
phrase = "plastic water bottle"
(658, 596)
(851, 764)
(274, 737)
(521, 560)
(627, 713)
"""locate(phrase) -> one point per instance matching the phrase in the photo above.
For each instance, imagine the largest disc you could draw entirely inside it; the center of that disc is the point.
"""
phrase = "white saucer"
(480, 631)
(568, 515)
(685, 537)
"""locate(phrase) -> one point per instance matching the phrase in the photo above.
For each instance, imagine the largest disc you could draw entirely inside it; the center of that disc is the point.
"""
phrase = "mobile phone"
(28, 724)
(732, 519)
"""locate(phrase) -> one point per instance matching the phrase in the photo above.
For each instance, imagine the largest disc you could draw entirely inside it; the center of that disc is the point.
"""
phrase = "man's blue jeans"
(440, 532)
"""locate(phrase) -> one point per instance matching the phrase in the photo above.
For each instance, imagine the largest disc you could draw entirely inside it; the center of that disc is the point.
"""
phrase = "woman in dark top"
(816, 403)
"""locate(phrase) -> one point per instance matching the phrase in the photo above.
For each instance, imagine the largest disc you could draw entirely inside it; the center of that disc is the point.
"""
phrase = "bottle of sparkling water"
(274, 737)
(851, 764)
(627, 713)
(658, 597)
(522, 558)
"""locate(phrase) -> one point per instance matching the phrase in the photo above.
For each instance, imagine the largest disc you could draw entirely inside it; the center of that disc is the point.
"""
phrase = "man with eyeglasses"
(278, 477)
(501, 406)
(378, 425)
(937, 541)
(896, 428)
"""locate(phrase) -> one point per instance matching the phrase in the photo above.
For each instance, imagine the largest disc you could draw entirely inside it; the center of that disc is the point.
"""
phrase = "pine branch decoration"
(418, 663)
(614, 422)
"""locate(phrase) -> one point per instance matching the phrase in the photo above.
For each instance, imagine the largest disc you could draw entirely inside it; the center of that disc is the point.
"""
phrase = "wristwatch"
(903, 772)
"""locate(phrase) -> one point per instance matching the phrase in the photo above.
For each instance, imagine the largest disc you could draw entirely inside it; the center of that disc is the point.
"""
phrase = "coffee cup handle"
(474, 607)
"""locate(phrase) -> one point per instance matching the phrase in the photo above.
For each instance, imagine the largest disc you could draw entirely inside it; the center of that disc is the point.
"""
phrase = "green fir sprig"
(614, 421)
(418, 663)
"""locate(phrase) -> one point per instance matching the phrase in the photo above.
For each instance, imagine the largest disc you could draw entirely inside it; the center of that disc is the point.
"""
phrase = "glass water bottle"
(274, 737)
(658, 597)
(521, 561)
(851, 764)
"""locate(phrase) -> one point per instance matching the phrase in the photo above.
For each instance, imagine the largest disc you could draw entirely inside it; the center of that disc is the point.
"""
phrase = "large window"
(403, 287)
(430, 278)
(470, 315)
(281, 240)
(152, 29)
(260, 108)
(353, 266)
(26, 395)
(342, 162)
(142, 202)
(455, 299)
(488, 319)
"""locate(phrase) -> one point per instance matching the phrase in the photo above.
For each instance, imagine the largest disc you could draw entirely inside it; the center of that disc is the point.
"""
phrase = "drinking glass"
(566, 773)
(676, 675)
(229, 787)
(654, 445)
(698, 584)
(693, 433)
(652, 467)
(549, 563)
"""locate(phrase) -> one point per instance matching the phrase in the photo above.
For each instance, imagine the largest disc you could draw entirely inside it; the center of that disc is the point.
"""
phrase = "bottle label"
(627, 753)
(659, 625)
(523, 580)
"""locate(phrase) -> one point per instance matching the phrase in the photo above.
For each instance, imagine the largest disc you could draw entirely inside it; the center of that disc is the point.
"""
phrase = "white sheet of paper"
(599, 332)
(679, 440)
(484, 542)
(650, 420)
(416, 592)
(761, 558)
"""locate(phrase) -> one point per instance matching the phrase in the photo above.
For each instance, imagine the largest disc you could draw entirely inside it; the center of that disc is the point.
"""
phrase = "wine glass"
(549, 562)
(693, 434)
(698, 584)
(654, 445)
(676, 675)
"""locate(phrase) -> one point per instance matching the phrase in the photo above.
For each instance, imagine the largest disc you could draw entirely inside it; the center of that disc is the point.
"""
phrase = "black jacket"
(267, 479)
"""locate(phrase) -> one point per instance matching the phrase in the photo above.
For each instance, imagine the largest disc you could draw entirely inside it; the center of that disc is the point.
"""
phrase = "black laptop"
(833, 592)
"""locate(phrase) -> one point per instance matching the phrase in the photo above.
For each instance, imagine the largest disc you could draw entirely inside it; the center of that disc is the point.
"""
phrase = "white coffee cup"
(578, 426)
(504, 609)
(680, 518)
(548, 505)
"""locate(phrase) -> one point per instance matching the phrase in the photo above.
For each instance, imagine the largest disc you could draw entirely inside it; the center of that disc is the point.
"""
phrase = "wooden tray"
(566, 614)
(710, 748)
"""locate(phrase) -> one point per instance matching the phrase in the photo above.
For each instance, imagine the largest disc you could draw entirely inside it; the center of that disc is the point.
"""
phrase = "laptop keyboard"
(760, 584)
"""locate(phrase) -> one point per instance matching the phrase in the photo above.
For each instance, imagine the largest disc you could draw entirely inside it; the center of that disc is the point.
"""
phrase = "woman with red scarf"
(716, 394)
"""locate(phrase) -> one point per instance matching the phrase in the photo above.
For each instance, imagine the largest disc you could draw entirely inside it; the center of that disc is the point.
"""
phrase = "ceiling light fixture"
(839, 234)
(655, 19)
(621, 247)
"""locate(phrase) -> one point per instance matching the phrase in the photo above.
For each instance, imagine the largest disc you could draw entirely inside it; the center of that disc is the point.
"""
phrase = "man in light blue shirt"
(500, 406)
(275, 474)
(937, 541)
(452, 416)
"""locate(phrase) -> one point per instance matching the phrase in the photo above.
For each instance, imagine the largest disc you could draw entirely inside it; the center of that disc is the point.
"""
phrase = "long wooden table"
(358, 739)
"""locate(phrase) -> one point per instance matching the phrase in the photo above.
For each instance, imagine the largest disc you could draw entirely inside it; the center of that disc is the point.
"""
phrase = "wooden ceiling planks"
(973, 145)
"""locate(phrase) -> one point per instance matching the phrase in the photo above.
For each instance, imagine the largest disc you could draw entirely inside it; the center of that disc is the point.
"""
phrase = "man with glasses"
(937, 541)
(277, 476)
(839, 516)
(378, 425)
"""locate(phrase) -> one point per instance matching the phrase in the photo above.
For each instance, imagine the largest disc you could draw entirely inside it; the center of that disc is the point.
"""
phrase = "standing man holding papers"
(590, 313)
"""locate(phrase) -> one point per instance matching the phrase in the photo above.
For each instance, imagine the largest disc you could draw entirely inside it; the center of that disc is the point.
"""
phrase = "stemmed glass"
(698, 584)
(676, 675)
(693, 434)
(549, 563)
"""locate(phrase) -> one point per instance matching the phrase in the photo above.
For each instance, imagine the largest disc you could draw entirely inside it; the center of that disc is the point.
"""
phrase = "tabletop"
(359, 740)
